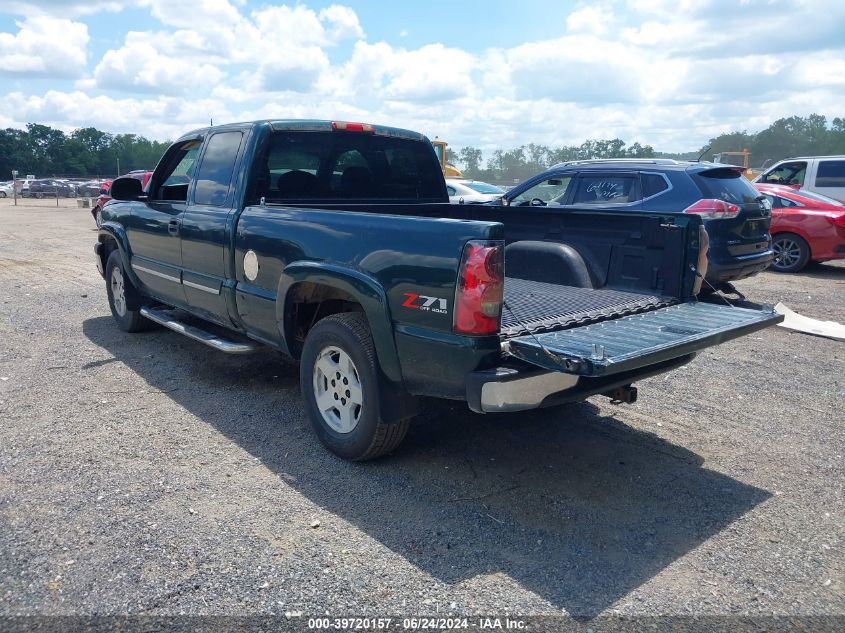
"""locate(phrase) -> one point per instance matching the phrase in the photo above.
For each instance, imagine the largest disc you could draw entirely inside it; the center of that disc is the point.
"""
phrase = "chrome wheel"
(337, 389)
(118, 292)
(787, 252)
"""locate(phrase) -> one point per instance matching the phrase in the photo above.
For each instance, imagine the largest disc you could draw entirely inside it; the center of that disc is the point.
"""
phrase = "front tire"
(125, 300)
(340, 386)
(791, 252)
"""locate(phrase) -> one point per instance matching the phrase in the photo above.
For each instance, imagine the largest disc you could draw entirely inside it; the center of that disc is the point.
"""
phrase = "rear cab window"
(314, 166)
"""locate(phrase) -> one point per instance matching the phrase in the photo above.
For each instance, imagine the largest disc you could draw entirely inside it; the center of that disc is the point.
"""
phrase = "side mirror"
(126, 188)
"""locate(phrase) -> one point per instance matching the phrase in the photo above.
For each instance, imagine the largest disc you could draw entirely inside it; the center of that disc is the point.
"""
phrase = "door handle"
(173, 227)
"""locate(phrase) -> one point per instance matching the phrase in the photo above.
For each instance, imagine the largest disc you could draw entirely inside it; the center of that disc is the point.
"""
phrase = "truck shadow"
(567, 503)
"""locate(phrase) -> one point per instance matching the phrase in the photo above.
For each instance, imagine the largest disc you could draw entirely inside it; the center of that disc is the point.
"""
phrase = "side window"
(605, 189)
(214, 176)
(550, 191)
(775, 201)
(831, 173)
(787, 174)
(653, 184)
(787, 203)
(172, 182)
(451, 190)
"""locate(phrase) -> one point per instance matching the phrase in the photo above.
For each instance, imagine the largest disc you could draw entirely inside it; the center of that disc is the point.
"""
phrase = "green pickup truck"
(335, 243)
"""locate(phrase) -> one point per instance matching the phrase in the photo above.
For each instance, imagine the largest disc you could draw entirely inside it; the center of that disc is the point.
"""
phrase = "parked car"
(821, 174)
(104, 197)
(806, 226)
(334, 243)
(89, 188)
(5, 190)
(461, 189)
(735, 214)
(49, 188)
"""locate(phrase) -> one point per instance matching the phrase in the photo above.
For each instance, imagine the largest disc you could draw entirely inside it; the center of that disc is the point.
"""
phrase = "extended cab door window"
(214, 176)
(551, 191)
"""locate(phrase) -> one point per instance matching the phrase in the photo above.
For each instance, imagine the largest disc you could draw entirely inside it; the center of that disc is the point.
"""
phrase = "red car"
(143, 176)
(805, 226)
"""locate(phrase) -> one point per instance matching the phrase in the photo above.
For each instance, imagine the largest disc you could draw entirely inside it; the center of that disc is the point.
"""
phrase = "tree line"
(514, 165)
(791, 136)
(45, 151)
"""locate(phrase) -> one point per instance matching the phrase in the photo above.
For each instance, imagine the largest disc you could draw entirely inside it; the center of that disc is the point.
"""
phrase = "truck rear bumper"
(521, 387)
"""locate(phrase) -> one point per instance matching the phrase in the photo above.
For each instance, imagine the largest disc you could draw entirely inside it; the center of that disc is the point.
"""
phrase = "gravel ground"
(148, 474)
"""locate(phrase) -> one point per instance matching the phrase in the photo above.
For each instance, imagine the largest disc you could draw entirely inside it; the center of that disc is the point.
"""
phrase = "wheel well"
(307, 303)
(109, 245)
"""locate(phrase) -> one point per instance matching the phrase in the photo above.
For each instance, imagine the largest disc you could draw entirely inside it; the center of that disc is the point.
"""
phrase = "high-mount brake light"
(480, 290)
(347, 126)
(713, 209)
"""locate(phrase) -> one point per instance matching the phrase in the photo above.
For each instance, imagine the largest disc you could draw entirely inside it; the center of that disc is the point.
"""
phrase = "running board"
(167, 320)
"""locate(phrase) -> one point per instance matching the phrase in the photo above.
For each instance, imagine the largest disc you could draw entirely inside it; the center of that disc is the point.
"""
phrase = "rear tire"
(125, 300)
(791, 252)
(339, 379)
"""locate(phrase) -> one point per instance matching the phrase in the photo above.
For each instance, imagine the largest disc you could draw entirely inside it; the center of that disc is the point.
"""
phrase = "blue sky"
(670, 73)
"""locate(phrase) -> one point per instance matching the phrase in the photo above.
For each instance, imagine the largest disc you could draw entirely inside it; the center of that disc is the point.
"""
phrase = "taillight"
(713, 209)
(478, 297)
(346, 126)
(837, 220)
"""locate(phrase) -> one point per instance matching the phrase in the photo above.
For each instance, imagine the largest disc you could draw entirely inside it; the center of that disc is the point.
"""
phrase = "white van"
(822, 174)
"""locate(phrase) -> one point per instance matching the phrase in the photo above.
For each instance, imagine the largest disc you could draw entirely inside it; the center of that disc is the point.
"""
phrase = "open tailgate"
(636, 341)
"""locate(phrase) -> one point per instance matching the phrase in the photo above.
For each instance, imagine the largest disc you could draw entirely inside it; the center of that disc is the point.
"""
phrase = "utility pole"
(15, 185)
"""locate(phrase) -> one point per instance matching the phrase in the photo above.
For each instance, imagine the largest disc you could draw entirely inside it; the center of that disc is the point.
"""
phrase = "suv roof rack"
(641, 161)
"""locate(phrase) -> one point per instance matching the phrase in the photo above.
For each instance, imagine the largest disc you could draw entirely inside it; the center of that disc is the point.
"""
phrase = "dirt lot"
(148, 474)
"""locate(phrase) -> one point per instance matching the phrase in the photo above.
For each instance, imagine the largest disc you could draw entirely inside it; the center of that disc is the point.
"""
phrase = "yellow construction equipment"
(449, 170)
(745, 154)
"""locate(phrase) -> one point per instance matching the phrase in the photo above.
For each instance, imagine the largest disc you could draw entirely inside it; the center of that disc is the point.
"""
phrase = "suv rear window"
(347, 166)
(727, 185)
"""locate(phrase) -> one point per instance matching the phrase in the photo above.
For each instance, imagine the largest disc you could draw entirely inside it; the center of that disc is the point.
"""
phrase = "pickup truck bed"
(535, 306)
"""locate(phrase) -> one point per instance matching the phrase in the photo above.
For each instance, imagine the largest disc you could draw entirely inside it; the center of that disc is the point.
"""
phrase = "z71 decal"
(426, 304)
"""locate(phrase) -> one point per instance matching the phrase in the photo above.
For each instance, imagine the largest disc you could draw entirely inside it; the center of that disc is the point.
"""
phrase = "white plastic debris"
(799, 323)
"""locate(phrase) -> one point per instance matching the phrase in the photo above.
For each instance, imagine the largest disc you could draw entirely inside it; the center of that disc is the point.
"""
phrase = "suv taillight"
(478, 297)
(712, 209)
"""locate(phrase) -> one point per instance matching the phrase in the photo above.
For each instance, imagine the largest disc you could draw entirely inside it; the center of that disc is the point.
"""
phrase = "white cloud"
(671, 73)
(46, 46)
(64, 8)
(342, 23)
(141, 66)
